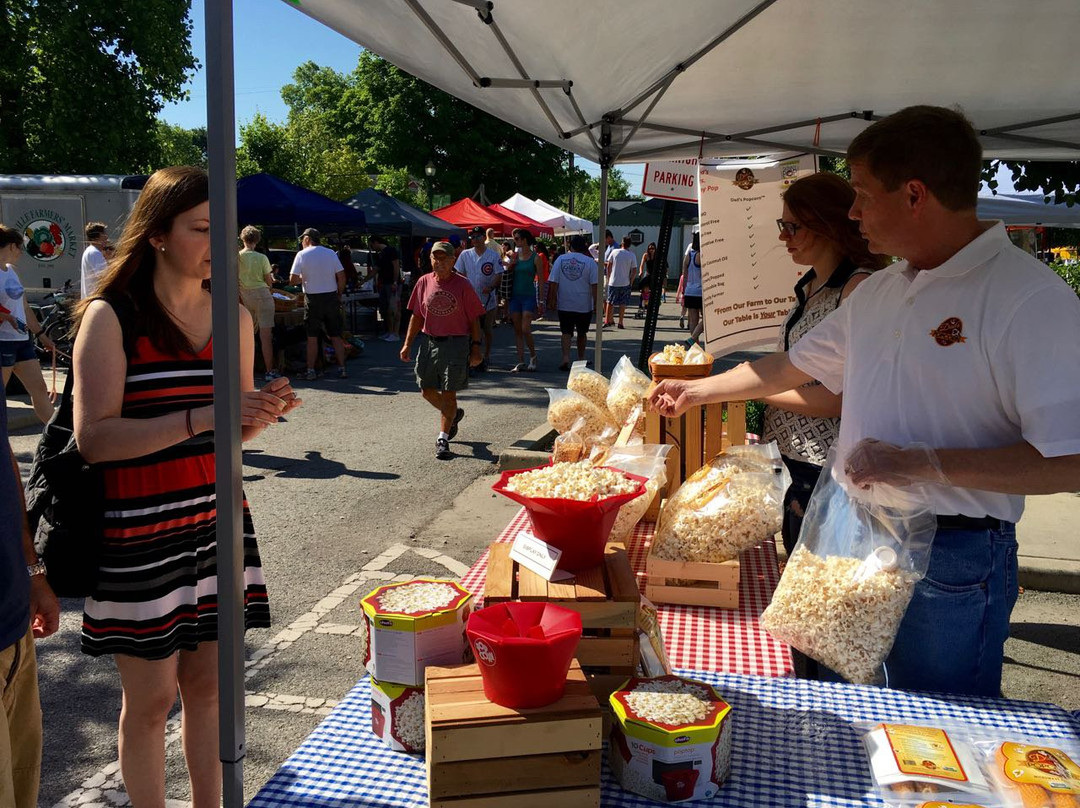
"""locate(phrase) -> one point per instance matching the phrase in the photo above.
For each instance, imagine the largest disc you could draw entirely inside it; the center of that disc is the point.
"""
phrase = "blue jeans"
(953, 635)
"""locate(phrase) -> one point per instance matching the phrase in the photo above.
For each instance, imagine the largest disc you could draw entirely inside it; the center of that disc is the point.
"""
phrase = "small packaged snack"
(565, 407)
(1036, 773)
(569, 447)
(628, 387)
(588, 382)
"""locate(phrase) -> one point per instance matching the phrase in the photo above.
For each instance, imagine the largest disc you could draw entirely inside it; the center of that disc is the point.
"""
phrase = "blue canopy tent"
(393, 217)
(268, 200)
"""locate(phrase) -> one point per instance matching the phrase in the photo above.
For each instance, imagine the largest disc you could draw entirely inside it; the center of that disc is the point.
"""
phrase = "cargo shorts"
(442, 363)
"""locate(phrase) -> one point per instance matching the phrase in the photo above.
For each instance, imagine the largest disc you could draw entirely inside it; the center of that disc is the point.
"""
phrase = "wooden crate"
(606, 597)
(696, 437)
(481, 755)
(693, 583)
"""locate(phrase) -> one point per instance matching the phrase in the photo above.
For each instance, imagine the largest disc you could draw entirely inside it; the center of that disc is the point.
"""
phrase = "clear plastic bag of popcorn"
(569, 447)
(565, 407)
(628, 387)
(583, 379)
(648, 461)
(730, 504)
(852, 574)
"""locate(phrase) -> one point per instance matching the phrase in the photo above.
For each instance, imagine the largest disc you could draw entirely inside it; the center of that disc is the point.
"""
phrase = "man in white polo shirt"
(323, 279)
(968, 346)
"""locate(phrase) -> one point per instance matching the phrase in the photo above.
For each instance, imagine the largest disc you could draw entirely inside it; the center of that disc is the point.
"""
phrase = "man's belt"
(968, 523)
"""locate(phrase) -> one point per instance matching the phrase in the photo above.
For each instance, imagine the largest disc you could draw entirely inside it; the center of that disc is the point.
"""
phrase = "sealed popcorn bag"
(648, 461)
(565, 407)
(588, 382)
(851, 576)
(628, 388)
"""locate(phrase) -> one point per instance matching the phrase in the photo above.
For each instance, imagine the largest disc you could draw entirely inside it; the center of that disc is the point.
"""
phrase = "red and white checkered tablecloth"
(698, 637)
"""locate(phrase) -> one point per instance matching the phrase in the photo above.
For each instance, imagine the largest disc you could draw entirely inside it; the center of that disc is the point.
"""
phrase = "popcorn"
(424, 596)
(673, 355)
(839, 612)
(566, 407)
(590, 384)
(669, 702)
(622, 400)
(630, 513)
(409, 720)
(579, 481)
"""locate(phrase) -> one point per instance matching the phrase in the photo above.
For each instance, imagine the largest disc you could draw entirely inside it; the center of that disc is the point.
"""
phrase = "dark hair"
(695, 242)
(821, 203)
(94, 230)
(934, 145)
(651, 246)
(9, 235)
(579, 244)
(525, 236)
(607, 234)
(168, 193)
(542, 248)
(627, 241)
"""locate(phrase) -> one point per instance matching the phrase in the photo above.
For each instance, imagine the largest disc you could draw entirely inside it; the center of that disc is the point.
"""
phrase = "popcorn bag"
(589, 383)
(628, 387)
(565, 407)
(731, 504)
(648, 461)
(577, 444)
(848, 583)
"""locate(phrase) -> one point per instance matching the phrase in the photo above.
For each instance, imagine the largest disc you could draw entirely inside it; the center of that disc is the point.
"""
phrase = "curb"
(1049, 574)
(528, 451)
(20, 414)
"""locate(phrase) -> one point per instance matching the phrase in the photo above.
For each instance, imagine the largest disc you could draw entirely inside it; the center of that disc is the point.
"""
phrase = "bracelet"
(187, 421)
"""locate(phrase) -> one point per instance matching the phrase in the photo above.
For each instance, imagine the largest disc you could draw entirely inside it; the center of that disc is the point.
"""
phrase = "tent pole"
(570, 207)
(597, 361)
(221, 152)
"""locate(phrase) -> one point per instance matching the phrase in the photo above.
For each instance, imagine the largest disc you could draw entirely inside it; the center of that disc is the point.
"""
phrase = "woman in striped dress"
(143, 410)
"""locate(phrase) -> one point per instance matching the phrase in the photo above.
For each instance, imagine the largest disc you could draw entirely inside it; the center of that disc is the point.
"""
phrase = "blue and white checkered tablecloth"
(793, 746)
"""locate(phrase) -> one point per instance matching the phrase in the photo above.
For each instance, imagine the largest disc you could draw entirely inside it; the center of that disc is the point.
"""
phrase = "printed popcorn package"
(413, 624)
(671, 738)
(397, 715)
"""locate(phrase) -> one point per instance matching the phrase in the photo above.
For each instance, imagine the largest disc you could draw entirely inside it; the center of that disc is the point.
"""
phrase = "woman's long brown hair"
(130, 274)
(821, 203)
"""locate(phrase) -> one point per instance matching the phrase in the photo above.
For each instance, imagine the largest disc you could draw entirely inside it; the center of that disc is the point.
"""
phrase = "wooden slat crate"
(606, 597)
(693, 583)
(482, 755)
(696, 437)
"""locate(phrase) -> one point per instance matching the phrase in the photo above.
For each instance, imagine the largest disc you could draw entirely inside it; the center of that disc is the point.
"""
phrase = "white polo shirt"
(317, 267)
(980, 352)
(622, 265)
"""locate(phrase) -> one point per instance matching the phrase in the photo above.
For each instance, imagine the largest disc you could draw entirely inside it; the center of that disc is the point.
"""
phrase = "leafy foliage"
(587, 193)
(81, 83)
(177, 146)
(1057, 180)
(1070, 273)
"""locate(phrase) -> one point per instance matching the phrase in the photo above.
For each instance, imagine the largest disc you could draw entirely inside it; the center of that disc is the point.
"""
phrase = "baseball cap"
(477, 231)
(455, 240)
(311, 232)
(443, 247)
(578, 243)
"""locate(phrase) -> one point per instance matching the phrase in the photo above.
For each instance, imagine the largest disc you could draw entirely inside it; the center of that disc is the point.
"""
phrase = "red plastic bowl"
(524, 651)
(580, 528)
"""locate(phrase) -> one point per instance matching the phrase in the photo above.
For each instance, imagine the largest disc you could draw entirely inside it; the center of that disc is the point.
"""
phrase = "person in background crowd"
(690, 284)
(543, 269)
(423, 266)
(352, 276)
(609, 245)
(28, 610)
(93, 257)
(960, 372)
(572, 290)
(143, 408)
(524, 305)
(18, 327)
(648, 273)
(482, 266)
(388, 284)
(619, 266)
(317, 268)
(445, 307)
(256, 281)
(491, 242)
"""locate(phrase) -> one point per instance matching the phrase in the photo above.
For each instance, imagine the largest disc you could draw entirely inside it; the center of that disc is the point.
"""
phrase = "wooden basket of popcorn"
(671, 363)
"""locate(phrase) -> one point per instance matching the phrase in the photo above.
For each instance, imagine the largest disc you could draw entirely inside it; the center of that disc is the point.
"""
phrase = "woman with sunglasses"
(818, 234)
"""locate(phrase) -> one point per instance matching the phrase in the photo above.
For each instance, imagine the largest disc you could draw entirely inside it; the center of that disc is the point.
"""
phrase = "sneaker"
(342, 374)
(532, 364)
(442, 449)
(609, 325)
(457, 420)
(311, 375)
(520, 366)
(271, 375)
(682, 322)
(621, 325)
(393, 338)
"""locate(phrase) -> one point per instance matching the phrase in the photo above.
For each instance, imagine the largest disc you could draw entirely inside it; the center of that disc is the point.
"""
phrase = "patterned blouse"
(806, 437)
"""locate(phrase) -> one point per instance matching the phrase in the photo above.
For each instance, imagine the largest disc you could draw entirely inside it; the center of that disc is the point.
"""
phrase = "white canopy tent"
(563, 223)
(716, 77)
(572, 224)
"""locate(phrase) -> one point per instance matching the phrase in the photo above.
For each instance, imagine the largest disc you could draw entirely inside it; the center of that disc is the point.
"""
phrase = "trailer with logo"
(51, 211)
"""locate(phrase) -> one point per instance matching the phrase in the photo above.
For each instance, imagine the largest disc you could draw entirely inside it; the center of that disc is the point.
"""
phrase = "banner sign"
(748, 279)
(51, 227)
(676, 180)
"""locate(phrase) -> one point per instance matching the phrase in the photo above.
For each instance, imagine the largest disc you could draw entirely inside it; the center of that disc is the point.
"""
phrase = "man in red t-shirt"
(445, 307)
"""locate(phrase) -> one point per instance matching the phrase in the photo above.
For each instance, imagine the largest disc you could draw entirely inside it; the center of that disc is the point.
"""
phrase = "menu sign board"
(747, 276)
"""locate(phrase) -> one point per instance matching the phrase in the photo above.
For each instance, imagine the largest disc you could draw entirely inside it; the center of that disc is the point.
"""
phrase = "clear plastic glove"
(874, 461)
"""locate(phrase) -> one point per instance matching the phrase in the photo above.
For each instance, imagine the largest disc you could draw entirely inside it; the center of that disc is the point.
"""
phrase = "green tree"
(1057, 180)
(81, 83)
(177, 146)
(587, 192)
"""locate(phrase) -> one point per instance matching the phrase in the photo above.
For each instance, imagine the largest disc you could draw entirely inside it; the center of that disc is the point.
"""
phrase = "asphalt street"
(348, 494)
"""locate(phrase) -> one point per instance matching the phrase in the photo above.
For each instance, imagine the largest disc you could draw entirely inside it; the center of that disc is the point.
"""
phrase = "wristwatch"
(37, 568)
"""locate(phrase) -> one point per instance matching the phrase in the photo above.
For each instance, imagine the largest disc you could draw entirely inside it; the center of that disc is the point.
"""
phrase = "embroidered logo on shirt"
(950, 332)
(487, 268)
(441, 303)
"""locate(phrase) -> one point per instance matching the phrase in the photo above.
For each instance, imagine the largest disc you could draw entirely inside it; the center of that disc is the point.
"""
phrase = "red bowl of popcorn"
(572, 506)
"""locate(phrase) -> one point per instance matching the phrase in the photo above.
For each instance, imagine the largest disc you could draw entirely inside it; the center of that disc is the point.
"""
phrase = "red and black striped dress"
(157, 585)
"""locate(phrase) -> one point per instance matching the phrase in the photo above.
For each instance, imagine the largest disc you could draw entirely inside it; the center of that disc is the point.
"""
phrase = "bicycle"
(54, 314)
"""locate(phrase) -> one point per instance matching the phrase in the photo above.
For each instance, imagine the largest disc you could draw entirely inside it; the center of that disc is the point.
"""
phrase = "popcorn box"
(671, 739)
(413, 624)
(397, 715)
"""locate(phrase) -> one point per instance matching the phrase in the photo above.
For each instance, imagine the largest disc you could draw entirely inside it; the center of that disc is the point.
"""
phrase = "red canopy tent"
(522, 221)
(466, 213)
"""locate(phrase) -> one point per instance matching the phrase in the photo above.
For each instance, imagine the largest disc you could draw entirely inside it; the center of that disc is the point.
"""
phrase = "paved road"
(347, 495)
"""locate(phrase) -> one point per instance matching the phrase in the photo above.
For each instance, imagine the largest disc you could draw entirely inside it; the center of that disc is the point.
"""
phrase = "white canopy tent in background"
(716, 77)
(563, 223)
(1027, 210)
(572, 224)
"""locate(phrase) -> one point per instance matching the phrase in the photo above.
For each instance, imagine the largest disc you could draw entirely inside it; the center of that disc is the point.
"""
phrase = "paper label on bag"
(925, 751)
(538, 556)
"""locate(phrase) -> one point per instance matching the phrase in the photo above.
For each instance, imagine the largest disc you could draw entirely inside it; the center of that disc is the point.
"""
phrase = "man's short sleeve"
(1037, 370)
(556, 270)
(822, 350)
(297, 266)
(593, 272)
(416, 297)
(459, 265)
(97, 261)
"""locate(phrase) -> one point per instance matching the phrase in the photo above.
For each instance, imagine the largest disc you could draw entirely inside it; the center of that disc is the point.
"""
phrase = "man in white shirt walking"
(969, 346)
(320, 272)
(572, 290)
(482, 266)
(620, 264)
(93, 257)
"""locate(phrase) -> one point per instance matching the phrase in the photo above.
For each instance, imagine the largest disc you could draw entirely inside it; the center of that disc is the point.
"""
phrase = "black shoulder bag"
(65, 496)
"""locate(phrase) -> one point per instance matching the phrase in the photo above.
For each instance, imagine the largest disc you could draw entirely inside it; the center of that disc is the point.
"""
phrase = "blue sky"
(272, 40)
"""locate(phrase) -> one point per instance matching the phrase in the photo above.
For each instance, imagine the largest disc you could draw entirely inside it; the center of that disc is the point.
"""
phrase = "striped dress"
(157, 585)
